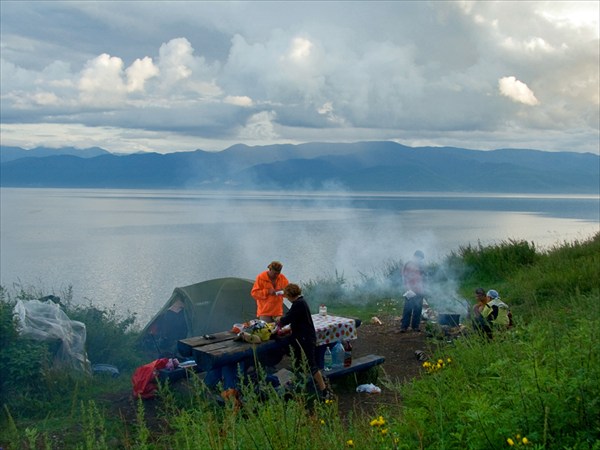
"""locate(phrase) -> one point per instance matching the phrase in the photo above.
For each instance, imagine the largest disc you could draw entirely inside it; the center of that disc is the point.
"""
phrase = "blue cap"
(493, 294)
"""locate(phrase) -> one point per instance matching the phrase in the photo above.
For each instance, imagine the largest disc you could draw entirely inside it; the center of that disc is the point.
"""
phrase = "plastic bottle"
(347, 354)
(328, 360)
(338, 354)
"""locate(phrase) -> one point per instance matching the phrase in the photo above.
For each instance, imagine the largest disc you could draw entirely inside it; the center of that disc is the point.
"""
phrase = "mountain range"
(360, 166)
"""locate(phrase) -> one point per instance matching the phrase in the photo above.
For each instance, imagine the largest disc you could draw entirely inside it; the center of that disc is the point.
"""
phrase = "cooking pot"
(452, 320)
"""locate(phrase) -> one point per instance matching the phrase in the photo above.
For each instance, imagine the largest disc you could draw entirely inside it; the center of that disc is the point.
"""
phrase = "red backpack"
(144, 378)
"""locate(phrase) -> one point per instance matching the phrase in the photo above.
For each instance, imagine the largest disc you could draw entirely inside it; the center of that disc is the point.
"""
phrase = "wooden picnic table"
(220, 349)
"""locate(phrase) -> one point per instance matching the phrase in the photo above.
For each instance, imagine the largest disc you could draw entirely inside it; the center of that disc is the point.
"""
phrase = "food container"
(452, 320)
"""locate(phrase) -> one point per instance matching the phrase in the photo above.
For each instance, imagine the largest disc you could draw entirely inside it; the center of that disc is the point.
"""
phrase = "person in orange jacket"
(268, 292)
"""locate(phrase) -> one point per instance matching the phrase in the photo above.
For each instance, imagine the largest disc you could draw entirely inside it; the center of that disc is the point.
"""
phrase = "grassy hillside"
(535, 386)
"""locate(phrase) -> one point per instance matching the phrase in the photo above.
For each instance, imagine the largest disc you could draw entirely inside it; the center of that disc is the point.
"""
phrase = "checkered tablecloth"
(333, 328)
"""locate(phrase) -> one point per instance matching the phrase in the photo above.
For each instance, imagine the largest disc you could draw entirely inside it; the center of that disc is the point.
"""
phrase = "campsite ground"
(401, 365)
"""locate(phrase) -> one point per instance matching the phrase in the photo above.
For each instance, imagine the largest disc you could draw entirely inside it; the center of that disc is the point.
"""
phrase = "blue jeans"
(228, 374)
(411, 315)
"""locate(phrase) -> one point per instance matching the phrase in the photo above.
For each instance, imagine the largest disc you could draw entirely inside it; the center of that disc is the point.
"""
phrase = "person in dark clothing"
(303, 333)
(479, 322)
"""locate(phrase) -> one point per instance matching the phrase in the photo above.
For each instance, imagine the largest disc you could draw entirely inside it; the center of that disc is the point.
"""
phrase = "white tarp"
(46, 321)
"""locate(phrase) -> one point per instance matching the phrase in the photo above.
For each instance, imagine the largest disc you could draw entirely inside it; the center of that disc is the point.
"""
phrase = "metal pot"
(452, 320)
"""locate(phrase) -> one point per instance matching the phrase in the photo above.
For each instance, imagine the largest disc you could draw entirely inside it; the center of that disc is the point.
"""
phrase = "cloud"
(101, 81)
(291, 72)
(139, 72)
(239, 100)
(517, 91)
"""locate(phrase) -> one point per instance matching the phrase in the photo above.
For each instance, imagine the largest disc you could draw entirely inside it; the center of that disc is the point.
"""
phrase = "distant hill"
(361, 166)
(12, 153)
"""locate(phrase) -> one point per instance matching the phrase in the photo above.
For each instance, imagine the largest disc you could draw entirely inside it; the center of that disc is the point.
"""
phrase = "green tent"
(207, 307)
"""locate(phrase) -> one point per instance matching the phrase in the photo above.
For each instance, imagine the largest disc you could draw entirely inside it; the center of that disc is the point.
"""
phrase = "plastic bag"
(369, 389)
(46, 321)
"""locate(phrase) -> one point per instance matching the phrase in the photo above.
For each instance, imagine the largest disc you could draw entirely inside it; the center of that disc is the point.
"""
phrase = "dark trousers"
(483, 326)
(411, 315)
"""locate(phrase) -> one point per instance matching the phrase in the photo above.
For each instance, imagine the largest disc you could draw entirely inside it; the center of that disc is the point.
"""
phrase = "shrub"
(560, 273)
(23, 363)
(110, 338)
(495, 262)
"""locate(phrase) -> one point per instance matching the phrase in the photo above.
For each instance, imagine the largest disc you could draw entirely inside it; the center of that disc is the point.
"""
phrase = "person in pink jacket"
(413, 275)
(268, 292)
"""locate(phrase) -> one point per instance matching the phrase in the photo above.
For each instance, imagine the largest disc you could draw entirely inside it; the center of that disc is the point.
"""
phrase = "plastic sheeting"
(48, 322)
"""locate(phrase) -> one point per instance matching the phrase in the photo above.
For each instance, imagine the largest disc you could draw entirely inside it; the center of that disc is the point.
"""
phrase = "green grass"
(535, 386)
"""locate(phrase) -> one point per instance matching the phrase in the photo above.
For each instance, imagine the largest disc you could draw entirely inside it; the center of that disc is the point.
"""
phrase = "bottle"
(323, 310)
(338, 354)
(328, 360)
(347, 354)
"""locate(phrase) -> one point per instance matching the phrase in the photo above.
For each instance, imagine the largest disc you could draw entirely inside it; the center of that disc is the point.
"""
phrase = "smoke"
(340, 247)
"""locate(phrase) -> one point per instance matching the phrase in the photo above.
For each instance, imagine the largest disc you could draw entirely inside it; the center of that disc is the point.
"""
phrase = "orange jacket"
(268, 305)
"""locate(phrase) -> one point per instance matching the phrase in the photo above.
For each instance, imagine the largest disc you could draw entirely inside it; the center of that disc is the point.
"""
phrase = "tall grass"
(538, 381)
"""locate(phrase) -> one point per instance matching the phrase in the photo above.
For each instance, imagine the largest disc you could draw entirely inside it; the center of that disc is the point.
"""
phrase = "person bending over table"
(304, 337)
(268, 292)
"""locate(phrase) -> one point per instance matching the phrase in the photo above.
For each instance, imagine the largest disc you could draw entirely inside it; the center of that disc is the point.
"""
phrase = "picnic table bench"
(358, 365)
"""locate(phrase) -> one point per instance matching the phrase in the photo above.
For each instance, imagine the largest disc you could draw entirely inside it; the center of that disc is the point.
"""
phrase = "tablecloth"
(333, 328)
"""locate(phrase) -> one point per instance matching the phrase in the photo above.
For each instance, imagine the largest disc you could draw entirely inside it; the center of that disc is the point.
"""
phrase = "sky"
(179, 76)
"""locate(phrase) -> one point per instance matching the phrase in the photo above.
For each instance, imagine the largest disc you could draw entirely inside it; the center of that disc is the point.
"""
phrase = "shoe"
(418, 330)
(326, 394)
(403, 330)
(421, 355)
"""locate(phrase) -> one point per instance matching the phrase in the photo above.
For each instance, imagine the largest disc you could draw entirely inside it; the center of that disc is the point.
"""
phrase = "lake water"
(131, 248)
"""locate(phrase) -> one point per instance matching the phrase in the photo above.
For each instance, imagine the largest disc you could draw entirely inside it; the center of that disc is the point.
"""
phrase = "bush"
(23, 363)
(30, 384)
(110, 338)
(561, 273)
(482, 265)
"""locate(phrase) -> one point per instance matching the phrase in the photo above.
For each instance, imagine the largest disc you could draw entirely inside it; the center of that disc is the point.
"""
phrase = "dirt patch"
(401, 365)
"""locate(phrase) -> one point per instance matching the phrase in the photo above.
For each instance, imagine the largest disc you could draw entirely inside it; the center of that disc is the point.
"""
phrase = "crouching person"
(303, 333)
(496, 312)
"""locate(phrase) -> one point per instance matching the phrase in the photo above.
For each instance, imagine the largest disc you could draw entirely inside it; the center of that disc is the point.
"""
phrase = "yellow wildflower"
(377, 422)
(525, 440)
(350, 443)
(328, 401)
(510, 442)
(440, 361)
(448, 360)
(322, 422)
(384, 431)
(518, 436)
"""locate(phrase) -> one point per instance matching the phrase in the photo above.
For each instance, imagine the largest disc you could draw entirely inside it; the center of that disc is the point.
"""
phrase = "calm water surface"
(130, 248)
